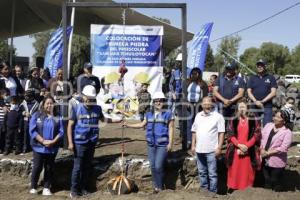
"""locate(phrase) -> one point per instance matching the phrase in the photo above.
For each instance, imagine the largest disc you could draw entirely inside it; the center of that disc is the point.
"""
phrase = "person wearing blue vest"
(46, 130)
(159, 125)
(261, 90)
(83, 138)
(228, 90)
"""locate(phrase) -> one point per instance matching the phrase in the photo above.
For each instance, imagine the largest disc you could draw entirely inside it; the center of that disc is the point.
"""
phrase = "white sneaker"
(33, 191)
(46, 192)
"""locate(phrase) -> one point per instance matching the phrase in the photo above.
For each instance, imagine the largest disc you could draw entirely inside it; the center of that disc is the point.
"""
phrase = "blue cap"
(88, 65)
(231, 66)
(261, 61)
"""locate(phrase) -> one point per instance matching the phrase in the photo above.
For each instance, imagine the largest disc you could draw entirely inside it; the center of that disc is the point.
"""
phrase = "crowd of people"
(231, 107)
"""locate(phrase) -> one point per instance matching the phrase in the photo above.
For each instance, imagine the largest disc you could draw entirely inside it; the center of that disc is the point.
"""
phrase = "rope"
(123, 91)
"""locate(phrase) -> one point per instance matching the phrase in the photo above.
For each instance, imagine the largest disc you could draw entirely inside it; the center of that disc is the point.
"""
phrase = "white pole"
(70, 40)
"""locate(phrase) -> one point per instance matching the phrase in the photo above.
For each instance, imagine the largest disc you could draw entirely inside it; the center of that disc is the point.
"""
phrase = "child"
(13, 125)
(289, 107)
(144, 99)
(3, 111)
(30, 106)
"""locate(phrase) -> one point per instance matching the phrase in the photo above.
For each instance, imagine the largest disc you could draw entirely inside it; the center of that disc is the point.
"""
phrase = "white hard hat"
(158, 95)
(89, 91)
(179, 57)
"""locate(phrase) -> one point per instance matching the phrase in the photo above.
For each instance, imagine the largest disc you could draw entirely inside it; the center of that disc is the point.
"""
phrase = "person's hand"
(48, 143)
(27, 114)
(226, 103)
(239, 152)
(259, 104)
(243, 148)
(169, 147)
(174, 96)
(218, 152)
(6, 109)
(71, 146)
(263, 153)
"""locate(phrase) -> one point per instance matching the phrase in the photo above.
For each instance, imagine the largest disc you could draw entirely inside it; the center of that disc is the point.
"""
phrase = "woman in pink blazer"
(276, 139)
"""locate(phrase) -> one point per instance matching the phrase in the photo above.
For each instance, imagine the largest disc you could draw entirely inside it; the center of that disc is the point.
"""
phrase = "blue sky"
(228, 16)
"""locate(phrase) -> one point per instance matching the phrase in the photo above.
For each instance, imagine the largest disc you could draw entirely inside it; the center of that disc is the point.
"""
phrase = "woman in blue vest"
(46, 130)
(83, 137)
(159, 135)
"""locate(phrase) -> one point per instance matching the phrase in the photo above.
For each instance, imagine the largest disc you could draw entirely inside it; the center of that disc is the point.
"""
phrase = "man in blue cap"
(261, 89)
(87, 78)
(228, 90)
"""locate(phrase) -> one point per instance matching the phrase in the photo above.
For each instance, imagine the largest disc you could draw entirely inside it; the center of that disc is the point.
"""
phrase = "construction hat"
(179, 57)
(141, 77)
(89, 91)
(158, 95)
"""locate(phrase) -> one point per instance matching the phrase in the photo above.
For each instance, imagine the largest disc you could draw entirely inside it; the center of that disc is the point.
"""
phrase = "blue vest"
(48, 128)
(177, 78)
(157, 133)
(86, 124)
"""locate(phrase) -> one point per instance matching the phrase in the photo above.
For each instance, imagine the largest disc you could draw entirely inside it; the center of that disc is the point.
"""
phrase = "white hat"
(89, 91)
(158, 95)
(179, 57)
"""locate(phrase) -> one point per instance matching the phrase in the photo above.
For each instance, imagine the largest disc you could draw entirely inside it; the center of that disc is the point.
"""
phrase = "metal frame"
(181, 6)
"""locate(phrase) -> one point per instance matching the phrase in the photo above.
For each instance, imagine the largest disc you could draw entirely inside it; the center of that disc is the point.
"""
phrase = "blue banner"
(54, 51)
(198, 48)
(138, 48)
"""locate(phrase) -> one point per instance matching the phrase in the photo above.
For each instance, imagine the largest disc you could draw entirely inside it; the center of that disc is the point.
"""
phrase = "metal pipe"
(12, 32)
(126, 5)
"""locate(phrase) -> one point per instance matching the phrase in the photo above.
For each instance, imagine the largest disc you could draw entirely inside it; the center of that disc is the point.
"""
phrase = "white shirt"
(207, 128)
(194, 92)
(11, 84)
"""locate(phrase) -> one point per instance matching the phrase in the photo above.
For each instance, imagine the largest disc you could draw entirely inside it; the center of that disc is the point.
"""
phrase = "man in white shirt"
(208, 137)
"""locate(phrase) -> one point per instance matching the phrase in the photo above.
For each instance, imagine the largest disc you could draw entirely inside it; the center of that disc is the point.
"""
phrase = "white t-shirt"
(207, 128)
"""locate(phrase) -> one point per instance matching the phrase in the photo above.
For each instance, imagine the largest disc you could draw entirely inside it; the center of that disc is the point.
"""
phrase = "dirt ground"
(13, 187)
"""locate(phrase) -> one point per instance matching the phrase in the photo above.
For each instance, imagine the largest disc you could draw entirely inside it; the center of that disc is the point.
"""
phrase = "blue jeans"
(207, 169)
(268, 115)
(83, 157)
(157, 157)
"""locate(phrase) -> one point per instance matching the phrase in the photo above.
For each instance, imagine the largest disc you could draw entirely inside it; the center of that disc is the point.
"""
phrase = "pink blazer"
(281, 142)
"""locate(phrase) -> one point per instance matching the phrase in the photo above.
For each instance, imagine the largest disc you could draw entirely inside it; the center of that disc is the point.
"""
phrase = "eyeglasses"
(260, 66)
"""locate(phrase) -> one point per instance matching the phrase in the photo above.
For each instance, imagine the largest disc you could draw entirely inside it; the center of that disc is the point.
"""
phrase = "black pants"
(273, 177)
(41, 160)
(26, 141)
(13, 137)
(2, 137)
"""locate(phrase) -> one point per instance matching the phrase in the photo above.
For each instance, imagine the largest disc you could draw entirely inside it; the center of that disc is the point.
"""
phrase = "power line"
(257, 23)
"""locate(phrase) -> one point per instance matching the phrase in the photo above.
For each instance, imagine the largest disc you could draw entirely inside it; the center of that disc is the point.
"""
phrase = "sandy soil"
(12, 187)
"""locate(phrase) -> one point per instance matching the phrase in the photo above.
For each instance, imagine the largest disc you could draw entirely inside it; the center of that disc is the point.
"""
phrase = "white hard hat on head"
(158, 95)
(89, 91)
(179, 57)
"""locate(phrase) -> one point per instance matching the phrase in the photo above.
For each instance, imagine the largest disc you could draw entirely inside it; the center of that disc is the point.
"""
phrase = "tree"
(80, 49)
(250, 57)
(276, 56)
(5, 50)
(41, 42)
(210, 60)
(228, 45)
(293, 67)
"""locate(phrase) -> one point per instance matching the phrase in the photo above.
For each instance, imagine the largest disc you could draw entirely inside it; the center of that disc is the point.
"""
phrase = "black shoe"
(1, 151)
(6, 153)
(17, 152)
